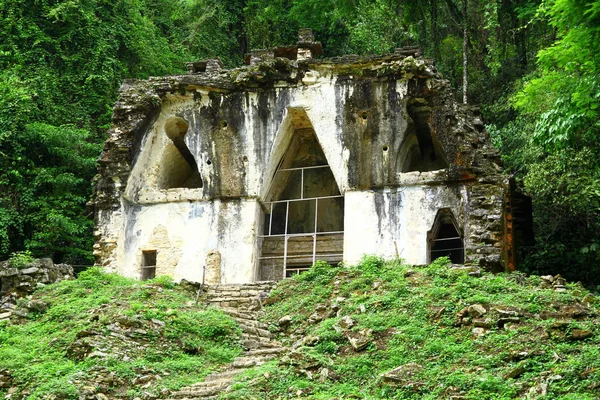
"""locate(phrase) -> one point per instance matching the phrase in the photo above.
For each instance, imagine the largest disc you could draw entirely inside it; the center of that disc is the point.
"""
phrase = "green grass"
(166, 335)
(413, 319)
(411, 312)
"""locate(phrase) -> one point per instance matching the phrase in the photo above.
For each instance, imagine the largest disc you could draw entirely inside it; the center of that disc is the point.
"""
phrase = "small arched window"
(445, 238)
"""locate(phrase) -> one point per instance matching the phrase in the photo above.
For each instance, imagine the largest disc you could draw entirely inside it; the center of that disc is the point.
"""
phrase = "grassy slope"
(116, 334)
(166, 341)
(413, 315)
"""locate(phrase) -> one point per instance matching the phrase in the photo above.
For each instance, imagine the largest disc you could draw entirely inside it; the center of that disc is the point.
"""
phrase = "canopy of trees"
(533, 66)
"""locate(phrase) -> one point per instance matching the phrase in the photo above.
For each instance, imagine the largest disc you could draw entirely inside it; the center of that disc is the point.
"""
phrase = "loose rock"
(361, 339)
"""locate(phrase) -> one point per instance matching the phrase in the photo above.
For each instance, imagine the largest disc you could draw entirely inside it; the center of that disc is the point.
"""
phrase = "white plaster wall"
(319, 101)
(187, 232)
(186, 225)
(394, 222)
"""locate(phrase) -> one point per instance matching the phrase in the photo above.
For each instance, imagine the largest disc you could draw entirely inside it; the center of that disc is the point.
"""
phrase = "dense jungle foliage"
(533, 66)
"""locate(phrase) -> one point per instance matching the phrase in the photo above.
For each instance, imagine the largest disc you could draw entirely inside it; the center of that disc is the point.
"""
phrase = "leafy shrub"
(164, 281)
(209, 324)
(20, 259)
(371, 264)
(321, 272)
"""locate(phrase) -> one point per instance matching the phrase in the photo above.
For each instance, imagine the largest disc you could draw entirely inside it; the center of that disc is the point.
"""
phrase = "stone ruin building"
(252, 174)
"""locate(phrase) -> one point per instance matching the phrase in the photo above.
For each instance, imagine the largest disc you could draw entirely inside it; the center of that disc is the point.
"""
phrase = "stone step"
(246, 335)
(208, 397)
(255, 332)
(196, 398)
(229, 300)
(230, 304)
(248, 362)
(243, 292)
(249, 294)
(199, 392)
(218, 384)
(252, 323)
(225, 375)
(234, 292)
(272, 350)
(236, 313)
(217, 379)
(250, 330)
(255, 336)
(262, 285)
(253, 344)
(234, 300)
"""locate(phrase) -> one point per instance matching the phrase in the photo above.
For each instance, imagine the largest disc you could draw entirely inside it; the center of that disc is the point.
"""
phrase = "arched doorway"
(445, 239)
(303, 211)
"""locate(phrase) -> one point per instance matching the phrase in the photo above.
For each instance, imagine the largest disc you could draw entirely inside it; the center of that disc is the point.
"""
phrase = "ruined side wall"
(133, 113)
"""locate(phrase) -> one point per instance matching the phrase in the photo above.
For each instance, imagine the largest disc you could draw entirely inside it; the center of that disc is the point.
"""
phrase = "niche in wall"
(420, 150)
(178, 167)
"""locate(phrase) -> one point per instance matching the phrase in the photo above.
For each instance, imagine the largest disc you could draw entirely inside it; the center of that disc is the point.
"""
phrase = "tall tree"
(62, 63)
(465, 40)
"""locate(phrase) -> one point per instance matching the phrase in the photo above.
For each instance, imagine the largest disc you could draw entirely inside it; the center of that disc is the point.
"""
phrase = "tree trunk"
(465, 39)
(435, 36)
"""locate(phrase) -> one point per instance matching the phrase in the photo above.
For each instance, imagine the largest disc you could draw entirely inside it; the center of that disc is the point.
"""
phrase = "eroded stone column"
(213, 268)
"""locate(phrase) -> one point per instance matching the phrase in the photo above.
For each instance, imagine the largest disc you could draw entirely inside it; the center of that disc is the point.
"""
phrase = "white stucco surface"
(394, 222)
(237, 139)
(183, 233)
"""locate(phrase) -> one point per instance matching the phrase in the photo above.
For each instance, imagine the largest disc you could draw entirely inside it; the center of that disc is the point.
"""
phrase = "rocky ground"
(102, 336)
(243, 303)
(385, 330)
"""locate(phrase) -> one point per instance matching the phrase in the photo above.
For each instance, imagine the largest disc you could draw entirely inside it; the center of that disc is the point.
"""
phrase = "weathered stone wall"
(399, 146)
(16, 283)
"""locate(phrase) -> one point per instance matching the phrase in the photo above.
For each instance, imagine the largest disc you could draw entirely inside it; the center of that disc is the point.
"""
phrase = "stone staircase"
(244, 304)
(247, 297)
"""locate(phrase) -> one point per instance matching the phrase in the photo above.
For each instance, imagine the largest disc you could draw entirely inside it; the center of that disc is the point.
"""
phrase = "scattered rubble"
(403, 375)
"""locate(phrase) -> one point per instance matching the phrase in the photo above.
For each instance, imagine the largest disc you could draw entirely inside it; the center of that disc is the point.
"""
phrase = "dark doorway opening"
(148, 264)
(445, 239)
